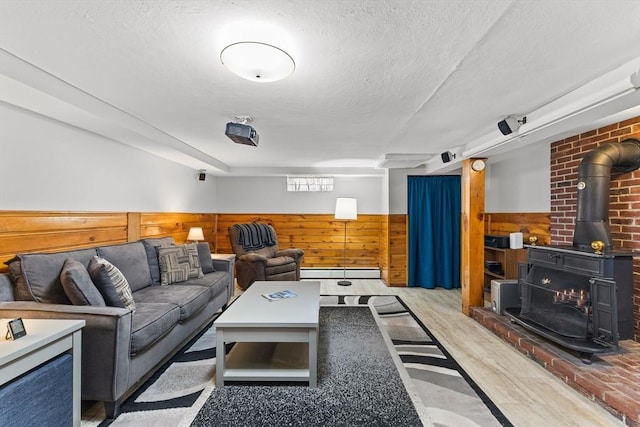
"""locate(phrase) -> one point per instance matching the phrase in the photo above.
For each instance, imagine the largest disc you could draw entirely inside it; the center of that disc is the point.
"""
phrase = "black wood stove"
(578, 299)
(581, 296)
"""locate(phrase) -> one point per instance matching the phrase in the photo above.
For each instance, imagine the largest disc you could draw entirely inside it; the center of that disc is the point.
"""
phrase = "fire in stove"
(551, 304)
(573, 298)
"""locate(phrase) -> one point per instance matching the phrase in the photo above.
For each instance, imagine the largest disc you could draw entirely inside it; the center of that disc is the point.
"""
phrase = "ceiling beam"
(29, 87)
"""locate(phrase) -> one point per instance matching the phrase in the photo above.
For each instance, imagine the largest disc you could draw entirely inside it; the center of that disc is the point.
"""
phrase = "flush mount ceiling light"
(258, 62)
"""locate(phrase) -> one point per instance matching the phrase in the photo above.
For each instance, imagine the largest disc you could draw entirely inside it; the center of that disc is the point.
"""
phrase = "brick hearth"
(612, 380)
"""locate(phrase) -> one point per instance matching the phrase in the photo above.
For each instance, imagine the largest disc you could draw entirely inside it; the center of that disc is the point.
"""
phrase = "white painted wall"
(519, 182)
(398, 188)
(48, 165)
(398, 202)
(270, 195)
(384, 194)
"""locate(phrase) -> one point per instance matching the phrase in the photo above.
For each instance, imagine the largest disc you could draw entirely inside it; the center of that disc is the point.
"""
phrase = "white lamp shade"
(346, 208)
(258, 62)
(195, 233)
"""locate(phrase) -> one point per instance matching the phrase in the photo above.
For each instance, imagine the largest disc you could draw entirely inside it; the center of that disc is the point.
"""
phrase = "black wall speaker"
(202, 176)
(504, 127)
(510, 124)
(447, 156)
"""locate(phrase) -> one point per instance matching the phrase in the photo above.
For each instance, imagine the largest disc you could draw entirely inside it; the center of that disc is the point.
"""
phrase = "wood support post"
(133, 226)
(472, 234)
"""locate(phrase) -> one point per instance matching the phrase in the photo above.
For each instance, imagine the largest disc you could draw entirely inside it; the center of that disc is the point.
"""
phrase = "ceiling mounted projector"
(242, 134)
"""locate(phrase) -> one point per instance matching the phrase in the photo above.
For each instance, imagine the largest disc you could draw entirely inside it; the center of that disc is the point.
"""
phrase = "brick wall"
(624, 201)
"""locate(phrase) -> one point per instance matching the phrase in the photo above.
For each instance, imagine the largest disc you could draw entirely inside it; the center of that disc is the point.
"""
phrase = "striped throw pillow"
(111, 283)
(179, 263)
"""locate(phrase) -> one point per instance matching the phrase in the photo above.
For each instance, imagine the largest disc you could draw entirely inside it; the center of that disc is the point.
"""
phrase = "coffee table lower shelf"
(266, 375)
(270, 362)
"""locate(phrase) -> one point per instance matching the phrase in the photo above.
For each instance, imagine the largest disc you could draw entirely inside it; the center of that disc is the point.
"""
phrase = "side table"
(231, 259)
(45, 339)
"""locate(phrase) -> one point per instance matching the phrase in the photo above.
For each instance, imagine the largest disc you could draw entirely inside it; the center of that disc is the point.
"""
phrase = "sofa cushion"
(152, 321)
(6, 288)
(131, 260)
(178, 263)
(189, 298)
(206, 262)
(111, 283)
(37, 276)
(217, 282)
(78, 286)
(150, 247)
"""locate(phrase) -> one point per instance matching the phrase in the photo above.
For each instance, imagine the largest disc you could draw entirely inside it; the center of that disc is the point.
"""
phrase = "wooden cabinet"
(508, 259)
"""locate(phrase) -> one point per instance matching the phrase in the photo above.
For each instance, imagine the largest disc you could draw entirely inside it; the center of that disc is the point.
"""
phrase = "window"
(309, 183)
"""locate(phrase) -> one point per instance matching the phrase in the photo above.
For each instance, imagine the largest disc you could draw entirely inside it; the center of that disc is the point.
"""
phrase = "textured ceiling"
(373, 78)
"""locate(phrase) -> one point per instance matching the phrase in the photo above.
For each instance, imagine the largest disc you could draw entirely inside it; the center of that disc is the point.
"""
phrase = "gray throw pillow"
(151, 247)
(206, 262)
(179, 263)
(111, 283)
(38, 278)
(78, 286)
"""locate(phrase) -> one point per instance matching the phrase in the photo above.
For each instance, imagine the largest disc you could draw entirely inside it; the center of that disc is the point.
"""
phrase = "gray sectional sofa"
(120, 347)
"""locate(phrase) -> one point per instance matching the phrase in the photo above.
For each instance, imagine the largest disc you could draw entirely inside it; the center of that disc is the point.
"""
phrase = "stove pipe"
(594, 179)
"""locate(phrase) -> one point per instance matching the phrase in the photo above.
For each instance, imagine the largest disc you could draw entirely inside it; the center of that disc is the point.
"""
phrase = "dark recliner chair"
(258, 257)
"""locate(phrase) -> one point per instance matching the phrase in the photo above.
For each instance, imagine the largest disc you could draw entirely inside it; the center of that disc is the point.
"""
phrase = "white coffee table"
(254, 319)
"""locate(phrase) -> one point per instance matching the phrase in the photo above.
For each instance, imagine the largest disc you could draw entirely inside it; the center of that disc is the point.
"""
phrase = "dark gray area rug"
(378, 366)
(358, 384)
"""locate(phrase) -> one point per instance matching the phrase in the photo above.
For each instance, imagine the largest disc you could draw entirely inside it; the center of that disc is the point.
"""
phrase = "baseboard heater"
(338, 273)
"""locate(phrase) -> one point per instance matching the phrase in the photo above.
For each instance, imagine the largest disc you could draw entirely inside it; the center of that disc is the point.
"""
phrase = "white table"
(45, 339)
(231, 260)
(254, 319)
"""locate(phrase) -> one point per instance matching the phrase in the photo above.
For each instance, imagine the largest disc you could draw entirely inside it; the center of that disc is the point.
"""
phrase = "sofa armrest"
(296, 254)
(106, 341)
(222, 265)
(253, 257)
(37, 310)
(292, 252)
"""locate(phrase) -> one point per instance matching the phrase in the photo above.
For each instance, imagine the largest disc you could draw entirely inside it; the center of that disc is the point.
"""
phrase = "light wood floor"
(524, 391)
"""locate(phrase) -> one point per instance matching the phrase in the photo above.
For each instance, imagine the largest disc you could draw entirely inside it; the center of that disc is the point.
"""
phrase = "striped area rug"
(441, 392)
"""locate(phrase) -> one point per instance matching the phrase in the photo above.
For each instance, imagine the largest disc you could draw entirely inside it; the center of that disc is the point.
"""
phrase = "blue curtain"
(434, 231)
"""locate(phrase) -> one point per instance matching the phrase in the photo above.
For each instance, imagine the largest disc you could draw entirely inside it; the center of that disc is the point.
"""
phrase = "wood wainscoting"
(528, 223)
(176, 225)
(43, 231)
(321, 237)
(28, 231)
(377, 241)
(398, 238)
